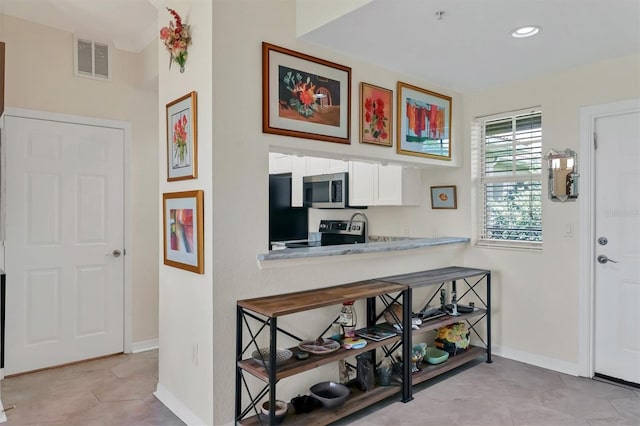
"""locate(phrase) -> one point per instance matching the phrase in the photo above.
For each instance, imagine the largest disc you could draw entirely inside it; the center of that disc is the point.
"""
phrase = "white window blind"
(511, 179)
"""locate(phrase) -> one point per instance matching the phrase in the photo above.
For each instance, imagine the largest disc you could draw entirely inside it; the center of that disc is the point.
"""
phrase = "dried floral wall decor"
(176, 38)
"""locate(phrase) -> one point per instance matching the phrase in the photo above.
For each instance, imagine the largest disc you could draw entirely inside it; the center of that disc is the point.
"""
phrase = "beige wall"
(39, 76)
(240, 182)
(536, 293)
(186, 345)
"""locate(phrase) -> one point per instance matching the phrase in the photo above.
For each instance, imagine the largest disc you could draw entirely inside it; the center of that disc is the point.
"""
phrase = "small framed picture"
(184, 230)
(444, 197)
(182, 138)
(376, 115)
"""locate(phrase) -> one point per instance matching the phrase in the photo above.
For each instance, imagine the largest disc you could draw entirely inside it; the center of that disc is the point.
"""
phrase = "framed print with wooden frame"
(424, 123)
(444, 197)
(304, 96)
(182, 138)
(183, 220)
(376, 115)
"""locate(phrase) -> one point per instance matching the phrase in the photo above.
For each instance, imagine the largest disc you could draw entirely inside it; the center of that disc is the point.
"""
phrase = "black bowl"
(304, 403)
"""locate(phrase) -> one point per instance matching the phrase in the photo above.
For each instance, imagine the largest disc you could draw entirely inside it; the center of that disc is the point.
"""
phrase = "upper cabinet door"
(361, 185)
(388, 185)
(316, 166)
(279, 163)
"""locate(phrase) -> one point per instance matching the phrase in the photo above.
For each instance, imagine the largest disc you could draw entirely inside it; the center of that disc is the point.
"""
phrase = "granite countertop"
(380, 244)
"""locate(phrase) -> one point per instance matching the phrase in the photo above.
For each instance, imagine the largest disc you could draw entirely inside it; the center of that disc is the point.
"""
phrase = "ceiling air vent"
(92, 59)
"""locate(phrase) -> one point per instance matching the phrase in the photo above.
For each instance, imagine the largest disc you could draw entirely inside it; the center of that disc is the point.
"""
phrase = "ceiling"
(129, 24)
(469, 49)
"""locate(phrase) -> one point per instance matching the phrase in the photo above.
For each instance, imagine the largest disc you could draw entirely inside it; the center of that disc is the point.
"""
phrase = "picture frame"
(423, 123)
(376, 115)
(444, 197)
(183, 220)
(182, 138)
(304, 96)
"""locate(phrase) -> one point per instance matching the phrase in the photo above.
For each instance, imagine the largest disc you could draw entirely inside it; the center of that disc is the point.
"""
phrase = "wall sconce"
(563, 175)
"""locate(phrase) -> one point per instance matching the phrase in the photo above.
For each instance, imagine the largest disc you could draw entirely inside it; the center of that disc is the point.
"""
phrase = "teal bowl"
(436, 356)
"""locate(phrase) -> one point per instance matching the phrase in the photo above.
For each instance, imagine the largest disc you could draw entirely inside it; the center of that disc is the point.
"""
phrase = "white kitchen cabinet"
(397, 186)
(361, 183)
(323, 166)
(380, 185)
(337, 166)
(316, 166)
(279, 163)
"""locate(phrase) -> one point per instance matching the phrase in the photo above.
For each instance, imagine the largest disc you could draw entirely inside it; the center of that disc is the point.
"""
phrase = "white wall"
(536, 293)
(234, 175)
(39, 76)
(186, 345)
(240, 189)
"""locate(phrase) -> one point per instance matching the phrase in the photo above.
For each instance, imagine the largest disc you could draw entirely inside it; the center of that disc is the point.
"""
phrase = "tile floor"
(117, 391)
(105, 392)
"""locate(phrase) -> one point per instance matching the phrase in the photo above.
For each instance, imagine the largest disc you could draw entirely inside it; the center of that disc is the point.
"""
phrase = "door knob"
(115, 253)
(604, 259)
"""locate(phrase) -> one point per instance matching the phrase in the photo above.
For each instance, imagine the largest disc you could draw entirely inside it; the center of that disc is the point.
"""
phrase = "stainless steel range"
(335, 232)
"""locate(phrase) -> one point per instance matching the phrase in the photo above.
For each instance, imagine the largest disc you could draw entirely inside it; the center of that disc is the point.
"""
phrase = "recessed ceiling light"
(527, 31)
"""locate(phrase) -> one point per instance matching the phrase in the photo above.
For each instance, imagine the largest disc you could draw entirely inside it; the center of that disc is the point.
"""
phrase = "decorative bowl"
(261, 356)
(397, 310)
(304, 403)
(281, 411)
(330, 394)
(317, 347)
(436, 356)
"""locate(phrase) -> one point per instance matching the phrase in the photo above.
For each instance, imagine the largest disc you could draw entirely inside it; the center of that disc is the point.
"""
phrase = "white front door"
(64, 226)
(617, 232)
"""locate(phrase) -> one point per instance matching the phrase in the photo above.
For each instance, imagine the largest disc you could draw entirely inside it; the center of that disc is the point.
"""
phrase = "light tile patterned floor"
(117, 391)
(106, 392)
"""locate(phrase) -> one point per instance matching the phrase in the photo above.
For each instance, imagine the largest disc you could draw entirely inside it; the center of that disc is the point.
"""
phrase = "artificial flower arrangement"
(453, 338)
(176, 38)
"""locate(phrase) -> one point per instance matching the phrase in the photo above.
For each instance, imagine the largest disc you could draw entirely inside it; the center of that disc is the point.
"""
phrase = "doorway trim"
(586, 258)
(125, 126)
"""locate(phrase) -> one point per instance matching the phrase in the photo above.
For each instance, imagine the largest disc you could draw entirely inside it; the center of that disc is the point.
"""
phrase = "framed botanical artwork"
(304, 96)
(182, 138)
(424, 123)
(183, 219)
(376, 115)
(444, 197)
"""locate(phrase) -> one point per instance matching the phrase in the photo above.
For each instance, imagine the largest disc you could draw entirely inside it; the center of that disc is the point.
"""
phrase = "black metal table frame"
(272, 324)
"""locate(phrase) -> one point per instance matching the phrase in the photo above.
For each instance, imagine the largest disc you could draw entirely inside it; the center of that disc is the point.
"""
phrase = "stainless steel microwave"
(330, 191)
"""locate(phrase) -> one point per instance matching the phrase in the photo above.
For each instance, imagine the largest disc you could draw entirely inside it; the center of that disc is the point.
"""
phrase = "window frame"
(510, 178)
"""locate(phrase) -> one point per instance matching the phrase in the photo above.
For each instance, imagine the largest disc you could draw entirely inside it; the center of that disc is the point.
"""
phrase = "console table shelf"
(266, 311)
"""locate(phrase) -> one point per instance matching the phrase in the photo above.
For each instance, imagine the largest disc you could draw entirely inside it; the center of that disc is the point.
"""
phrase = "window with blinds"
(511, 179)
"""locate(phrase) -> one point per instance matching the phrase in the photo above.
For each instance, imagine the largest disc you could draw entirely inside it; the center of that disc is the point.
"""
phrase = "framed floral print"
(376, 115)
(424, 123)
(183, 219)
(304, 96)
(182, 138)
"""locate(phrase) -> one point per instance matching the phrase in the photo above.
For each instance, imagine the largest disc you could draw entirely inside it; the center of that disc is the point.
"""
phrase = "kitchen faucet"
(366, 224)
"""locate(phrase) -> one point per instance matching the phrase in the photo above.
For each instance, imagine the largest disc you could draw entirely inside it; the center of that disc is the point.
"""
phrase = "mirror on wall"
(563, 175)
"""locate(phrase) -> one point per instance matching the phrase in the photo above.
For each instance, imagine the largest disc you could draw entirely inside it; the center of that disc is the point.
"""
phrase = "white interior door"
(617, 219)
(65, 218)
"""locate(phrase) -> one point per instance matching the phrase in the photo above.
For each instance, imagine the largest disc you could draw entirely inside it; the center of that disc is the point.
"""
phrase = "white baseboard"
(177, 407)
(537, 360)
(3, 416)
(144, 345)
